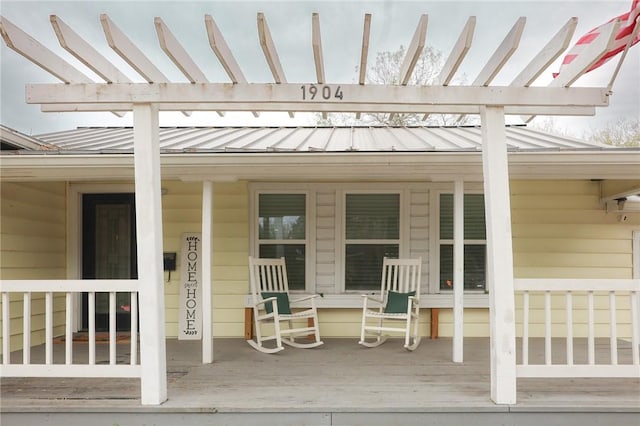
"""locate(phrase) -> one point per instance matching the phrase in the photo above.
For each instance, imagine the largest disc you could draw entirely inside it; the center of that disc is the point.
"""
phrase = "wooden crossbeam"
(364, 51)
(127, 50)
(552, 50)
(500, 56)
(86, 53)
(223, 53)
(30, 48)
(592, 53)
(329, 108)
(178, 54)
(459, 51)
(270, 52)
(589, 56)
(269, 96)
(413, 51)
(316, 42)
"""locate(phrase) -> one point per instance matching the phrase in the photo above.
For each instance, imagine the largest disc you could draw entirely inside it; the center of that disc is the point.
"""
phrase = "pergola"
(118, 94)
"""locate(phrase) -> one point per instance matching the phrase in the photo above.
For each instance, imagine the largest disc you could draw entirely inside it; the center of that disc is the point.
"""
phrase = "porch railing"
(71, 367)
(564, 293)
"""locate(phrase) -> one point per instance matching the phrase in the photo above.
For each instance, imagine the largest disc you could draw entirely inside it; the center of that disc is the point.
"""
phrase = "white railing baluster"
(595, 290)
(547, 327)
(134, 328)
(68, 332)
(6, 329)
(71, 289)
(48, 326)
(112, 327)
(26, 329)
(591, 339)
(635, 328)
(613, 340)
(569, 316)
(92, 327)
(525, 328)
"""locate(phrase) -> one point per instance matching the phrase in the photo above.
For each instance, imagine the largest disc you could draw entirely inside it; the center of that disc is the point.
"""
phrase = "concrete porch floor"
(337, 383)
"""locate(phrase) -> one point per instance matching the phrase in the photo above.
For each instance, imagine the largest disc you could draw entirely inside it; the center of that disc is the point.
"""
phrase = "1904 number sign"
(310, 91)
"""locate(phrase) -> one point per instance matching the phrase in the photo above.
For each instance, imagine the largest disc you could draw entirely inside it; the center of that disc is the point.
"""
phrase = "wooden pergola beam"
(127, 50)
(270, 52)
(364, 52)
(179, 55)
(267, 96)
(223, 53)
(35, 52)
(316, 42)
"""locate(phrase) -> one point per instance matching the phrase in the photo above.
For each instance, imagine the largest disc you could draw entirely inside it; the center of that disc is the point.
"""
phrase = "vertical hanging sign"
(190, 312)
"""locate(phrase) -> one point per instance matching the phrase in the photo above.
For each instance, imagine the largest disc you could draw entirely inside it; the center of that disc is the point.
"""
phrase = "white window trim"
(635, 252)
(341, 240)
(310, 231)
(435, 241)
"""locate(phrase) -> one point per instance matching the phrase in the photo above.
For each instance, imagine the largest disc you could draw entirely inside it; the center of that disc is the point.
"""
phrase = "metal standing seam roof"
(309, 139)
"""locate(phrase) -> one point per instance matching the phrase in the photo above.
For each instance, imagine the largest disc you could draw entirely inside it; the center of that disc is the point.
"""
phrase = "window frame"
(256, 241)
(436, 242)
(342, 241)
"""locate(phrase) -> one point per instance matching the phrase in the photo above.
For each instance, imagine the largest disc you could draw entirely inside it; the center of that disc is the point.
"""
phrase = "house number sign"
(190, 312)
(320, 91)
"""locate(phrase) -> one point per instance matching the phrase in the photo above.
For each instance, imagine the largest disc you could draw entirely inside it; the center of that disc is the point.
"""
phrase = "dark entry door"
(108, 252)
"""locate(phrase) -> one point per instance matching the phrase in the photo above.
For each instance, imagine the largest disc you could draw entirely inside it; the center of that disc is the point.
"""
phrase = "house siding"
(560, 230)
(32, 246)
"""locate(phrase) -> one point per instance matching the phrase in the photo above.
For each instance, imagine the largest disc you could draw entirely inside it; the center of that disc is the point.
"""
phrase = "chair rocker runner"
(272, 307)
(398, 304)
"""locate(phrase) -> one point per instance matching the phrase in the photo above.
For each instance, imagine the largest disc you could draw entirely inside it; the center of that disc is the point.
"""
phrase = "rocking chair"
(398, 304)
(272, 306)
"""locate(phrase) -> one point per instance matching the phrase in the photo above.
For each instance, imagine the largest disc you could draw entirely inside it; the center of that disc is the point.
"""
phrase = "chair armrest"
(366, 297)
(302, 299)
(263, 301)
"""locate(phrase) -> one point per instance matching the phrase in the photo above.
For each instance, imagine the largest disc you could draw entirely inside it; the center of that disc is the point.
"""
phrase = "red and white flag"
(627, 23)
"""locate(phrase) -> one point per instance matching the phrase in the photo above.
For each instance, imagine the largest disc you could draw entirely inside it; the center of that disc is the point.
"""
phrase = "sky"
(393, 24)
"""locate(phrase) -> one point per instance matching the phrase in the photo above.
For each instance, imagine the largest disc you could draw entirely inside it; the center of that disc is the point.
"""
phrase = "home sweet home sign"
(190, 312)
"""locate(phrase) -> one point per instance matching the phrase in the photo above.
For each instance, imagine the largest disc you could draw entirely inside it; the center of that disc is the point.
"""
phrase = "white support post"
(458, 270)
(153, 357)
(499, 256)
(207, 264)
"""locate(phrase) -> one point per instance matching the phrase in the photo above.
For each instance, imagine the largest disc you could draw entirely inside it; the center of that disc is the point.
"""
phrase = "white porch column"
(458, 270)
(153, 357)
(207, 264)
(499, 256)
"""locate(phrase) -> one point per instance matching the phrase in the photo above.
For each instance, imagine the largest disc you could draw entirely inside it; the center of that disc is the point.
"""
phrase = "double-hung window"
(282, 232)
(475, 242)
(372, 232)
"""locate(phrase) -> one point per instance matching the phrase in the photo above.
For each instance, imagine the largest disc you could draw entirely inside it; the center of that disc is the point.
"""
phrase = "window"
(282, 233)
(372, 232)
(474, 242)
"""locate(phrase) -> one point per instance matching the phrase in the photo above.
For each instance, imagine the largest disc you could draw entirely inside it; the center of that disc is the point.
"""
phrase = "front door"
(108, 252)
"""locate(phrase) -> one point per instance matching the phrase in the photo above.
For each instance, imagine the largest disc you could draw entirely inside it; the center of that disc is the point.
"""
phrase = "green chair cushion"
(397, 303)
(282, 299)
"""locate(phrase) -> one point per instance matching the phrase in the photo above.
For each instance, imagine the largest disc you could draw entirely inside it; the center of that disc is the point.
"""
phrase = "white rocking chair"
(271, 307)
(399, 302)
